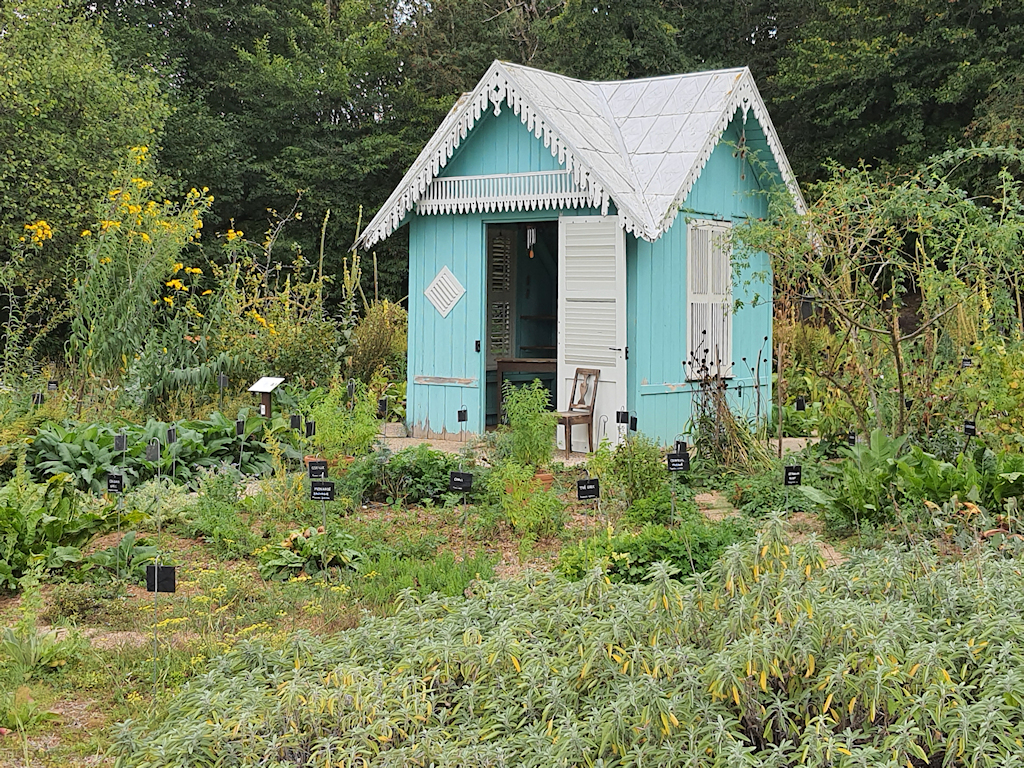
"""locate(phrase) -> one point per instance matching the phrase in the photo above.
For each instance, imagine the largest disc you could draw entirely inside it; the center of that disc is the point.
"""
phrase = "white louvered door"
(592, 316)
(708, 299)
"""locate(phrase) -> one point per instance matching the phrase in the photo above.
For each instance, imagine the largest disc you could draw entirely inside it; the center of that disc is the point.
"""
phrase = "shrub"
(658, 508)
(88, 603)
(379, 340)
(44, 525)
(897, 657)
(692, 547)
(638, 468)
(527, 508)
(379, 580)
(125, 561)
(342, 430)
(531, 423)
(310, 550)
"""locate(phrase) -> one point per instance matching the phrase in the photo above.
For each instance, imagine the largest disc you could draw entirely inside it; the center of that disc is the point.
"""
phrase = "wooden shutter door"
(501, 290)
(592, 314)
(709, 299)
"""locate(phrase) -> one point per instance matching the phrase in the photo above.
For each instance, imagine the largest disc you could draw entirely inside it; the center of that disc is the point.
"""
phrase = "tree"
(68, 115)
(891, 81)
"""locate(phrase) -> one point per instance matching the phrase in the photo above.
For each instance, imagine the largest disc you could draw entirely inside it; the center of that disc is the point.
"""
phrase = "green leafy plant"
(311, 551)
(692, 547)
(638, 468)
(342, 430)
(530, 510)
(378, 581)
(44, 525)
(531, 423)
(125, 561)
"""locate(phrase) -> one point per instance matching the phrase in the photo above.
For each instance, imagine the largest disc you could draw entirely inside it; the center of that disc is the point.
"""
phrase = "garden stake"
(156, 564)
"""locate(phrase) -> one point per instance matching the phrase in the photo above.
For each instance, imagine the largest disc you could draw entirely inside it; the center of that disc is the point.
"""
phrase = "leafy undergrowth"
(893, 659)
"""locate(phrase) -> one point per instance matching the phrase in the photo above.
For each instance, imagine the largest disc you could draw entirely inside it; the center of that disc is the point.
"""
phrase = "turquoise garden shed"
(557, 224)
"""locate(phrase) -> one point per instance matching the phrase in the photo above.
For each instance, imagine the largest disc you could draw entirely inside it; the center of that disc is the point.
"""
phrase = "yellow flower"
(105, 260)
(86, 233)
(105, 225)
(40, 231)
(176, 285)
(193, 271)
(139, 154)
(234, 234)
(169, 300)
(145, 238)
(207, 292)
(178, 267)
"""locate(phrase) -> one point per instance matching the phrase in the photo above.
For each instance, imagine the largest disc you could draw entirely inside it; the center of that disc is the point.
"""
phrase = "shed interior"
(522, 306)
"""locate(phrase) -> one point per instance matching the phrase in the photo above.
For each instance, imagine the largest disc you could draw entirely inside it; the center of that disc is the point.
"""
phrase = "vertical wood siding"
(659, 393)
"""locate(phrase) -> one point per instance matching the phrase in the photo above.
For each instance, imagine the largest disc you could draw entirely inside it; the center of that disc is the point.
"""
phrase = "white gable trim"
(499, 85)
(744, 96)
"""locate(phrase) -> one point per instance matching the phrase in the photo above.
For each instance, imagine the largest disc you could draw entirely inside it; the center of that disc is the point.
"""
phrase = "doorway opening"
(522, 307)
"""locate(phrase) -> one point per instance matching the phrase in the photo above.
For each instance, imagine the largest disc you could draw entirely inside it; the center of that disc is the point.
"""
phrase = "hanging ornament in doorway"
(531, 238)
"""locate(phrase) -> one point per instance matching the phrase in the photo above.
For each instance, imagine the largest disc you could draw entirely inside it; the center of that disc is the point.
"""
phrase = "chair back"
(584, 390)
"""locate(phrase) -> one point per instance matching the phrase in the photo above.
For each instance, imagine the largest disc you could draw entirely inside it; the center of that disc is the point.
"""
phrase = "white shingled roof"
(640, 144)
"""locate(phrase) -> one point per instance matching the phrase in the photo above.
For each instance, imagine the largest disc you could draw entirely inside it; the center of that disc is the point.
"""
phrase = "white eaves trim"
(641, 144)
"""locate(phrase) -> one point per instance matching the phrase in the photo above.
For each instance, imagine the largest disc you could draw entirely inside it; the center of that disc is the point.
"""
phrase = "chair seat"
(573, 415)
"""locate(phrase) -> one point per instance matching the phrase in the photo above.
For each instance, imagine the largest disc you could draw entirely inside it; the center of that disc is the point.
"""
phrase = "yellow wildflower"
(105, 260)
(178, 266)
(40, 231)
(175, 284)
(234, 234)
(193, 271)
(207, 292)
(105, 225)
(139, 154)
(169, 300)
(86, 233)
(145, 238)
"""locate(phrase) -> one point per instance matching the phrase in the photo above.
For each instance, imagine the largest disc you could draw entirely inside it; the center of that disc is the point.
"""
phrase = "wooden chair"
(581, 406)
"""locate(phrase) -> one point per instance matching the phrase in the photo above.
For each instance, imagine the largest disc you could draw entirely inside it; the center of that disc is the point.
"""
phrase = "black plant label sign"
(153, 452)
(318, 470)
(678, 462)
(115, 483)
(120, 443)
(172, 435)
(463, 415)
(295, 422)
(37, 398)
(460, 481)
(622, 417)
(351, 388)
(382, 408)
(966, 363)
(632, 423)
(160, 578)
(51, 386)
(587, 489)
(970, 428)
(801, 403)
(222, 381)
(310, 428)
(792, 475)
(851, 438)
(321, 490)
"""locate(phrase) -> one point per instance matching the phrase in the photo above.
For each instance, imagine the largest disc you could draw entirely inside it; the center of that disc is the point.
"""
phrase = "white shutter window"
(708, 299)
(500, 294)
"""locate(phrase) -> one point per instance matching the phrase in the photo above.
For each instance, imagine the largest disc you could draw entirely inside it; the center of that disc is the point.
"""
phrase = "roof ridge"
(648, 224)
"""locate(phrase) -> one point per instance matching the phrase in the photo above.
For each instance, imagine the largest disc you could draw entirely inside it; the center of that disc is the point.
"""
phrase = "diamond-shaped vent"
(444, 292)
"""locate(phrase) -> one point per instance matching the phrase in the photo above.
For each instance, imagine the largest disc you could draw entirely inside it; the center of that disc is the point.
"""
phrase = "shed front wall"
(445, 370)
(658, 392)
